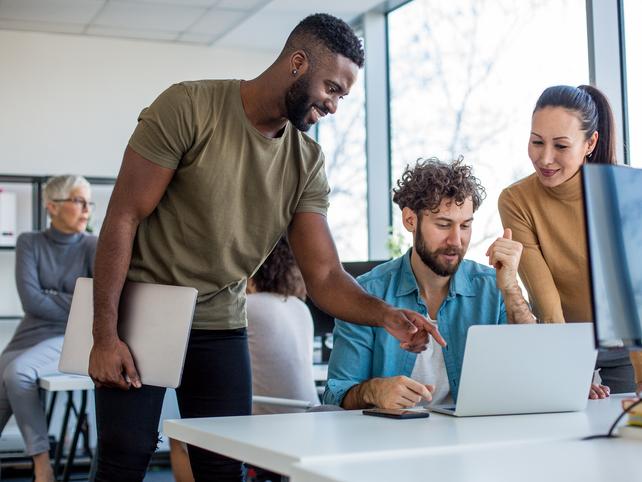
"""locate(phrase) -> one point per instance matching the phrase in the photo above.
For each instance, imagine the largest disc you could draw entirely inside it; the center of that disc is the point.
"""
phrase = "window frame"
(605, 30)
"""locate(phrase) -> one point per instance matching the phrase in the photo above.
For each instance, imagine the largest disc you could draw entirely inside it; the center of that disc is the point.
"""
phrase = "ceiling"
(257, 24)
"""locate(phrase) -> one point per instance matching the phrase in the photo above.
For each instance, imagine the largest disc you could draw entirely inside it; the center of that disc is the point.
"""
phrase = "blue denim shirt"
(363, 352)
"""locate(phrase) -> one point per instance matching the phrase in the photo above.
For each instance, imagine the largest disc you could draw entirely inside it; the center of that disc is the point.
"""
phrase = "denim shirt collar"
(460, 283)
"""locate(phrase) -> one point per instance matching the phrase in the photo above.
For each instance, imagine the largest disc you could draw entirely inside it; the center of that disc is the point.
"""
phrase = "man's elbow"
(317, 282)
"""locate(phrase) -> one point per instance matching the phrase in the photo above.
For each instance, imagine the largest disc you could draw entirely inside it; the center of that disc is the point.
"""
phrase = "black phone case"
(399, 416)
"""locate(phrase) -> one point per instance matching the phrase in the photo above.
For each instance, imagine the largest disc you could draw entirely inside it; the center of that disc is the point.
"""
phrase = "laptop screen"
(613, 210)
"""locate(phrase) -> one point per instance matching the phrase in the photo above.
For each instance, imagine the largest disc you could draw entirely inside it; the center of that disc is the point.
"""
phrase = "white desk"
(570, 461)
(279, 442)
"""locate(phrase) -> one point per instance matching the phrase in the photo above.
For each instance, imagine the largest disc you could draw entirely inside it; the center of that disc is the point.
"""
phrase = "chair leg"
(63, 433)
(52, 404)
(80, 420)
(85, 436)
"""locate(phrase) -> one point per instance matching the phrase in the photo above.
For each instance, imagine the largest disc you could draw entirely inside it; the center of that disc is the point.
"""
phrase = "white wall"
(69, 103)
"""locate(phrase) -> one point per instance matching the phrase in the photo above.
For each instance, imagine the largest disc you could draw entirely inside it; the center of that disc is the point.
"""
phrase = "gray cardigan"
(47, 265)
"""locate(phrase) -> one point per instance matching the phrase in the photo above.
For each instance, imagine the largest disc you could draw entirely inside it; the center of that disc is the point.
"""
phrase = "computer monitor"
(613, 212)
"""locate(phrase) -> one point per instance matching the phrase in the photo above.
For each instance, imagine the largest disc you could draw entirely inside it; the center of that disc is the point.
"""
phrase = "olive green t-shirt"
(232, 196)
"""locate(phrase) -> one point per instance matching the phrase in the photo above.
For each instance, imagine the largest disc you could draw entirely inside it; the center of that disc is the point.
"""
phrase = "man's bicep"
(312, 244)
(139, 187)
(316, 194)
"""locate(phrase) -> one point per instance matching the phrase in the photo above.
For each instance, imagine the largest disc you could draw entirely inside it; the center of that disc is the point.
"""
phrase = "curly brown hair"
(280, 274)
(429, 181)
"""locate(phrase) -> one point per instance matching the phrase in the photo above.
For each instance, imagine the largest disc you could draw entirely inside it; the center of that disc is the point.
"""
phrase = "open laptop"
(154, 320)
(518, 369)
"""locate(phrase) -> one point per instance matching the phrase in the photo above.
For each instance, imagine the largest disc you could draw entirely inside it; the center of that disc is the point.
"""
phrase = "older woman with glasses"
(47, 265)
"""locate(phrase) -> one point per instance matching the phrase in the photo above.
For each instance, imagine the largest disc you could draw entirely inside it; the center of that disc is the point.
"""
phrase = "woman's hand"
(599, 391)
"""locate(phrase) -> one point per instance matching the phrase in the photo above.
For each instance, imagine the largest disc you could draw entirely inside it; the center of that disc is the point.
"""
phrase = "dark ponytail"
(594, 112)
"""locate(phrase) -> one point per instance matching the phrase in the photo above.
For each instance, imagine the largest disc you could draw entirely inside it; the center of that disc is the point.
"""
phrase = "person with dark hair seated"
(367, 368)
(280, 332)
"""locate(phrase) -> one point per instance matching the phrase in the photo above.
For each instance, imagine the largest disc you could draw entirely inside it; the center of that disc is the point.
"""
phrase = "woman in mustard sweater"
(570, 126)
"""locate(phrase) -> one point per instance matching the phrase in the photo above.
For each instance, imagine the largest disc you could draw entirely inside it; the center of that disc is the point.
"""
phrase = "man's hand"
(599, 391)
(111, 365)
(504, 255)
(396, 392)
(411, 329)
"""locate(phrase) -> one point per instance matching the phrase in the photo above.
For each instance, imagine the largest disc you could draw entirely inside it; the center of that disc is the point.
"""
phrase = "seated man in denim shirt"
(367, 366)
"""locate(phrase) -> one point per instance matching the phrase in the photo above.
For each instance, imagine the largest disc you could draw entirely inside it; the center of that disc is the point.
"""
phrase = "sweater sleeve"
(63, 300)
(533, 270)
(35, 300)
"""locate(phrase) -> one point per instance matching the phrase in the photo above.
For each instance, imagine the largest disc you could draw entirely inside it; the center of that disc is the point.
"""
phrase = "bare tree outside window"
(464, 76)
(343, 139)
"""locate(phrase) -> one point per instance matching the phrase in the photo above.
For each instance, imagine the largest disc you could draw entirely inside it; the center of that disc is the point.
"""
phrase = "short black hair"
(328, 31)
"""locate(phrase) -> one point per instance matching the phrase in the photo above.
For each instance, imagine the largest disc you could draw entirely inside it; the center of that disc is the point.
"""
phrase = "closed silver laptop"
(154, 320)
(517, 369)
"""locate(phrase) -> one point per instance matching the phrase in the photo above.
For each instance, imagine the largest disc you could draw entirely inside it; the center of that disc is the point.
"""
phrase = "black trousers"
(216, 383)
(618, 375)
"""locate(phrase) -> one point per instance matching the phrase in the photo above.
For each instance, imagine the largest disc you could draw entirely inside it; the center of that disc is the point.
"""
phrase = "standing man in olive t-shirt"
(213, 175)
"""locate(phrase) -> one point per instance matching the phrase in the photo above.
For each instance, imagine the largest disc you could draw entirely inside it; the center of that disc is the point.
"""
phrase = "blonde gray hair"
(59, 187)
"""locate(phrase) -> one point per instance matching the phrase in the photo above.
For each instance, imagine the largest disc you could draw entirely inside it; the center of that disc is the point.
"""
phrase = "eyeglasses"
(78, 201)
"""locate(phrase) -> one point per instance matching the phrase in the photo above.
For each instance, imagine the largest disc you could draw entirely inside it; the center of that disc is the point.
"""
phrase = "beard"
(298, 105)
(431, 258)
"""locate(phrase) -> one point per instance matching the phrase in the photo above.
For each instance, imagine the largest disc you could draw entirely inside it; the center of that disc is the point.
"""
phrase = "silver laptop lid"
(154, 320)
(513, 369)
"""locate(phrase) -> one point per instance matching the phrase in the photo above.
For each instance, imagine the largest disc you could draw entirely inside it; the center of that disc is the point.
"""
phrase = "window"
(633, 39)
(343, 139)
(464, 77)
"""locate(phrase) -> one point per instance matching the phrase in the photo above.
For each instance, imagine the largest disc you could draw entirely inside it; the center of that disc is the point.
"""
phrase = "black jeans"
(216, 382)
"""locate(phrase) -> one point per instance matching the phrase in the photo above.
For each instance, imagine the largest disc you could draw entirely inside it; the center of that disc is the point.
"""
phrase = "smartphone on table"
(398, 413)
